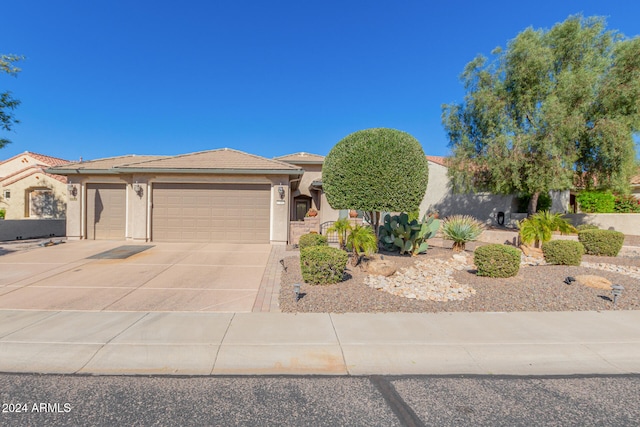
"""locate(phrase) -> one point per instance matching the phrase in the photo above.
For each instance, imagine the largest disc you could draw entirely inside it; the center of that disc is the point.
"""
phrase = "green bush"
(563, 252)
(626, 204)
(497, 260)
(582, 227)
(601, 242)
(596, 201)
(540, 227)
(312, 239)
(322, 264)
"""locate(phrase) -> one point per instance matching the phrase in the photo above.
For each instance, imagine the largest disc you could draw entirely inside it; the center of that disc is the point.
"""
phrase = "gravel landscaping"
(535, 288)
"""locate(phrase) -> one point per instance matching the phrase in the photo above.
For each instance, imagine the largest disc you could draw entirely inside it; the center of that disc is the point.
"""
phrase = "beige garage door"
(235, 213)
(106, 211)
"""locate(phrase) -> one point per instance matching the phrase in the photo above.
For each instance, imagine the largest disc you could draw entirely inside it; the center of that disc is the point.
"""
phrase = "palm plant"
(461, 229)
(341, 227)
(539, 228)
(362, 240)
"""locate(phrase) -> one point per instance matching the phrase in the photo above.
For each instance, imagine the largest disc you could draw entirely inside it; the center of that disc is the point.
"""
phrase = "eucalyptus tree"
(553, 106)
(7, 102)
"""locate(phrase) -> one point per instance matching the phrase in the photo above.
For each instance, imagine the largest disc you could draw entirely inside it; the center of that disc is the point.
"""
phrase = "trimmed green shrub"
(312, 239)
(596, 201)
(322, 264)
(563, 252)
(626, 204)
(497, 260)
(601, 242)
(582, 227)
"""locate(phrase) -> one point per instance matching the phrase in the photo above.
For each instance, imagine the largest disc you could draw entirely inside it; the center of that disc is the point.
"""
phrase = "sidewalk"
(183, 343)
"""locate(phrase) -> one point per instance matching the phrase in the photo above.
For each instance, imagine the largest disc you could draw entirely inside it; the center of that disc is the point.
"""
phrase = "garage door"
(237, 213)
(106, 211)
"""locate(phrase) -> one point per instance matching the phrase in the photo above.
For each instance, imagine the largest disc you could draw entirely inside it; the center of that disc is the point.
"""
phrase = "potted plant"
(312, 213)
(3, 212)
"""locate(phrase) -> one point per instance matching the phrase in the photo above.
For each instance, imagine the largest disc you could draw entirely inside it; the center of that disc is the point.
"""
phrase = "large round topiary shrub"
(601, 242)
(563, 252)
(312, 239)
(322, 264)
(376, 169)
(497, 260)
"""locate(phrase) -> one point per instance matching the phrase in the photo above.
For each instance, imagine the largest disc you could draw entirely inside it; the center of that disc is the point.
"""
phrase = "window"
(41, 204)
(7, 194)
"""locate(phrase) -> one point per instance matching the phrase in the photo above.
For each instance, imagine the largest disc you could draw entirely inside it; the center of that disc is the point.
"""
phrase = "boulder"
(530, 251)
(377, 265)
(596, 282)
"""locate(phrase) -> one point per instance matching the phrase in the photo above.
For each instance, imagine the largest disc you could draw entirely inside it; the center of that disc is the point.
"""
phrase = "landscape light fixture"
(296, 289)
(617, 291)
(281, 192)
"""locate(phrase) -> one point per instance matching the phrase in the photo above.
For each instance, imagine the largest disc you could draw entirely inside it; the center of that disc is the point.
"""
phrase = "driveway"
(163, 277)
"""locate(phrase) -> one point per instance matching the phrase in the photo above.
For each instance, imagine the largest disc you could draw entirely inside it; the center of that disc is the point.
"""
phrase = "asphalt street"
(58, 400)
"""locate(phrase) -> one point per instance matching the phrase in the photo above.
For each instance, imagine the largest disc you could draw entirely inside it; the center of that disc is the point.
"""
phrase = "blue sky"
(109, 77)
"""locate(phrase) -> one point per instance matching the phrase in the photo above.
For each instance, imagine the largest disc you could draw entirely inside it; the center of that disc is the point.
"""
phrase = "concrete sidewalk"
(328, 344)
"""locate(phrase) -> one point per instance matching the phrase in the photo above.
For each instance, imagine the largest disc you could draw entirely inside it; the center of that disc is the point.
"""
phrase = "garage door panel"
(106, 211)
(211, 212)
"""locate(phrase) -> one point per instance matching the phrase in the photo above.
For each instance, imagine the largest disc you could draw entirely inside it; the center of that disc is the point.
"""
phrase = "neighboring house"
(487, 207)
(219, 195)
(28, 191)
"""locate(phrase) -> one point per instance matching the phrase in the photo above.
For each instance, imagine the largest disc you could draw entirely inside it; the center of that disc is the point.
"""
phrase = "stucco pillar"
(138, 200)
(75, 195)
(280, 211)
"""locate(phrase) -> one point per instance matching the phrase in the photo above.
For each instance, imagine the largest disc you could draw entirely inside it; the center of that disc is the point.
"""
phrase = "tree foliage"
(7, 102)
(376, 170)
(554, 105)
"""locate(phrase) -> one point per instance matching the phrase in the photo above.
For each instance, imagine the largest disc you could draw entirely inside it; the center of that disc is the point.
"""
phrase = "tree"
(376, 170)
(7, 102)
(554, 105)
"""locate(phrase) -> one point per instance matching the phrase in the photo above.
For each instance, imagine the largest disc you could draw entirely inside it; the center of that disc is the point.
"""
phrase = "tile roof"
(108, 163)
(302, 158)
(46, 160)
(440, 160)
(224, 159)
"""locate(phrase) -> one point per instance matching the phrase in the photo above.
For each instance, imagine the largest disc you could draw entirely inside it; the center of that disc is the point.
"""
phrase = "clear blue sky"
(110, 77)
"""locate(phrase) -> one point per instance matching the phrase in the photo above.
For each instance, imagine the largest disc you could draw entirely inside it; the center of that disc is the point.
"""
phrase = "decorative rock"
(378, 266)
(429, 280)
(532, 252)
(592, 281)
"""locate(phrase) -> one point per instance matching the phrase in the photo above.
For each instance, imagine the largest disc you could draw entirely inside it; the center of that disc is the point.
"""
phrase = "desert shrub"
(311, 239)
(582, 227)
(626, 204)
(601, 242)
(497, 260)
(322, 264)
(461, 229)
(596, 201)
(398, 233)
(563, 252)
(540, 227)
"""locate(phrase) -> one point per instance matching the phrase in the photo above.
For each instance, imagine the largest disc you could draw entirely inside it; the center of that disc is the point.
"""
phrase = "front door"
(302, 207)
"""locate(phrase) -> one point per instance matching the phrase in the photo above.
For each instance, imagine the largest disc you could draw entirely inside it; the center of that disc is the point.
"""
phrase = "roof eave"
(125, 170)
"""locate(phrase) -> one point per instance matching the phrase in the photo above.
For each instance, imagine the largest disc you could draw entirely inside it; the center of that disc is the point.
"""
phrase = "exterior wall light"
(281, 192)
(71, 188)
(138, 189)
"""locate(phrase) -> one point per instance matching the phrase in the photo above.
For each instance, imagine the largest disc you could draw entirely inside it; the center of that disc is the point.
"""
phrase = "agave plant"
(341, 227)
(362, 240)
(539, 227)
(461, 229)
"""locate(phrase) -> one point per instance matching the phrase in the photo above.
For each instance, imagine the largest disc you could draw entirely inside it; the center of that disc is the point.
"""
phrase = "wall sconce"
(138, 189)
(71, 188)
(281, 192)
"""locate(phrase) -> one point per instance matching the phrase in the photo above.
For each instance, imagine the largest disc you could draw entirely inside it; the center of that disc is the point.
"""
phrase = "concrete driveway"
(165, 277)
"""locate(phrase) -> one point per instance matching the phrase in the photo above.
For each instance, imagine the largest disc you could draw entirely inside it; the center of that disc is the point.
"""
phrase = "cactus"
(398, 232)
